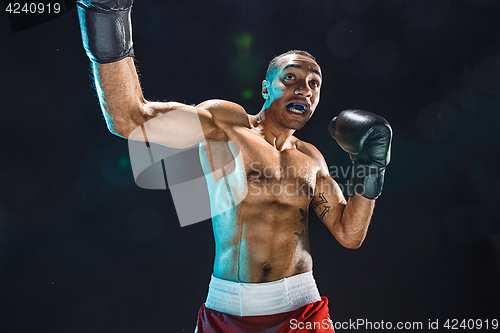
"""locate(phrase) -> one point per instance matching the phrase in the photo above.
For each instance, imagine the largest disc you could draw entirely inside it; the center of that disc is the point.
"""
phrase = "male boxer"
(262, 279)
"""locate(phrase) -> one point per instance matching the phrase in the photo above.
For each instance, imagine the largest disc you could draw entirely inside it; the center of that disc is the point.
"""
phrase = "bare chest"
(286, 174)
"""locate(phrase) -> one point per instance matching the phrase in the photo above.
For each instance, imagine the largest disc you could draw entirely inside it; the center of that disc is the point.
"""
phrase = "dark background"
(83, 249)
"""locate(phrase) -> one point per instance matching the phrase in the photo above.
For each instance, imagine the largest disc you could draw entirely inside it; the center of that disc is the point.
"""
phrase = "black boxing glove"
(106, 29)
(367, 138)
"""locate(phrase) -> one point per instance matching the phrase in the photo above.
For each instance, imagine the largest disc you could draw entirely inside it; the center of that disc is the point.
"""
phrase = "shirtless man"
(262, 279)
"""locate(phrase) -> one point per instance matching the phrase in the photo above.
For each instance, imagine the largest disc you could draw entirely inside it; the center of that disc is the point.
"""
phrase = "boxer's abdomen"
(262, 245)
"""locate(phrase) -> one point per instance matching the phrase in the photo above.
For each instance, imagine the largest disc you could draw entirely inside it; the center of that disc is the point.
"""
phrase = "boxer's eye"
(314, 84)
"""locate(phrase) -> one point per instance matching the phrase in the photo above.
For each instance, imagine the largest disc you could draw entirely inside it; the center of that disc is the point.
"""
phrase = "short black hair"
(274, 63)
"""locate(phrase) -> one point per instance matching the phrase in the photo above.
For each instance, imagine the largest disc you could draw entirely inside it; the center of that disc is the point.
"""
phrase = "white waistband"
(257, 299)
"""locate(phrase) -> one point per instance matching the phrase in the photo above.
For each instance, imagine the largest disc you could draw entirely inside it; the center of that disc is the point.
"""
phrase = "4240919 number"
(33, 8)
(471, 324)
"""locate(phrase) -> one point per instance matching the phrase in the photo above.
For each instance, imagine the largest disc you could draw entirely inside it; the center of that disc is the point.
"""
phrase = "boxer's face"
(293, 91)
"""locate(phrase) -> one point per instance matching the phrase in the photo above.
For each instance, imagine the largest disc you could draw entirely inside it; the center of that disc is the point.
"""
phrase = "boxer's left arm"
(347, 221)
(367, 138)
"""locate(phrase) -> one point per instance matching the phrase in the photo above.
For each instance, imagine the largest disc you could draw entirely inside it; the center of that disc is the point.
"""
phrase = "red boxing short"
(309, 318)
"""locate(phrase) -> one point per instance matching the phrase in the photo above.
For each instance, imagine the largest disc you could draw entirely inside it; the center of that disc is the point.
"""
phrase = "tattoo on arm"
(322, 200)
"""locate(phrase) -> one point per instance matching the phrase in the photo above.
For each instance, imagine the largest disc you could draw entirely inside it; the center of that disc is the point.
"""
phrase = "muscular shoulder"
(225, 113)
(313, 152)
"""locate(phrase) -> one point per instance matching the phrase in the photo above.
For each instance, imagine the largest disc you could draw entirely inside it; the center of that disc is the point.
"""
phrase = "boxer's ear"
(265, 89)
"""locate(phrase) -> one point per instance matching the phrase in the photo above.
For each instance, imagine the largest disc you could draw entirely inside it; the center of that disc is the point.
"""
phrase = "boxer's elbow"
(123, 124)
(350, 241)
(118, 127)
(352, 244)
(117, 131)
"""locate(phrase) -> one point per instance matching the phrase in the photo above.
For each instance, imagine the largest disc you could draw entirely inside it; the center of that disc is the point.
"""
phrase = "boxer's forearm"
(120, 95)
(106, 29)
(351, 230)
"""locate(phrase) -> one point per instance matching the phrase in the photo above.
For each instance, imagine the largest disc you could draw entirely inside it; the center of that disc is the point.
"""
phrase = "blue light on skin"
(226, 190)
(100, 95)
(295, 78)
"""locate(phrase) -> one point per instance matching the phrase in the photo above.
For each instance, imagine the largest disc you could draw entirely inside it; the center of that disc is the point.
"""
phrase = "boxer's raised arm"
(120, 95)
(128, 114)
(107, 38)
